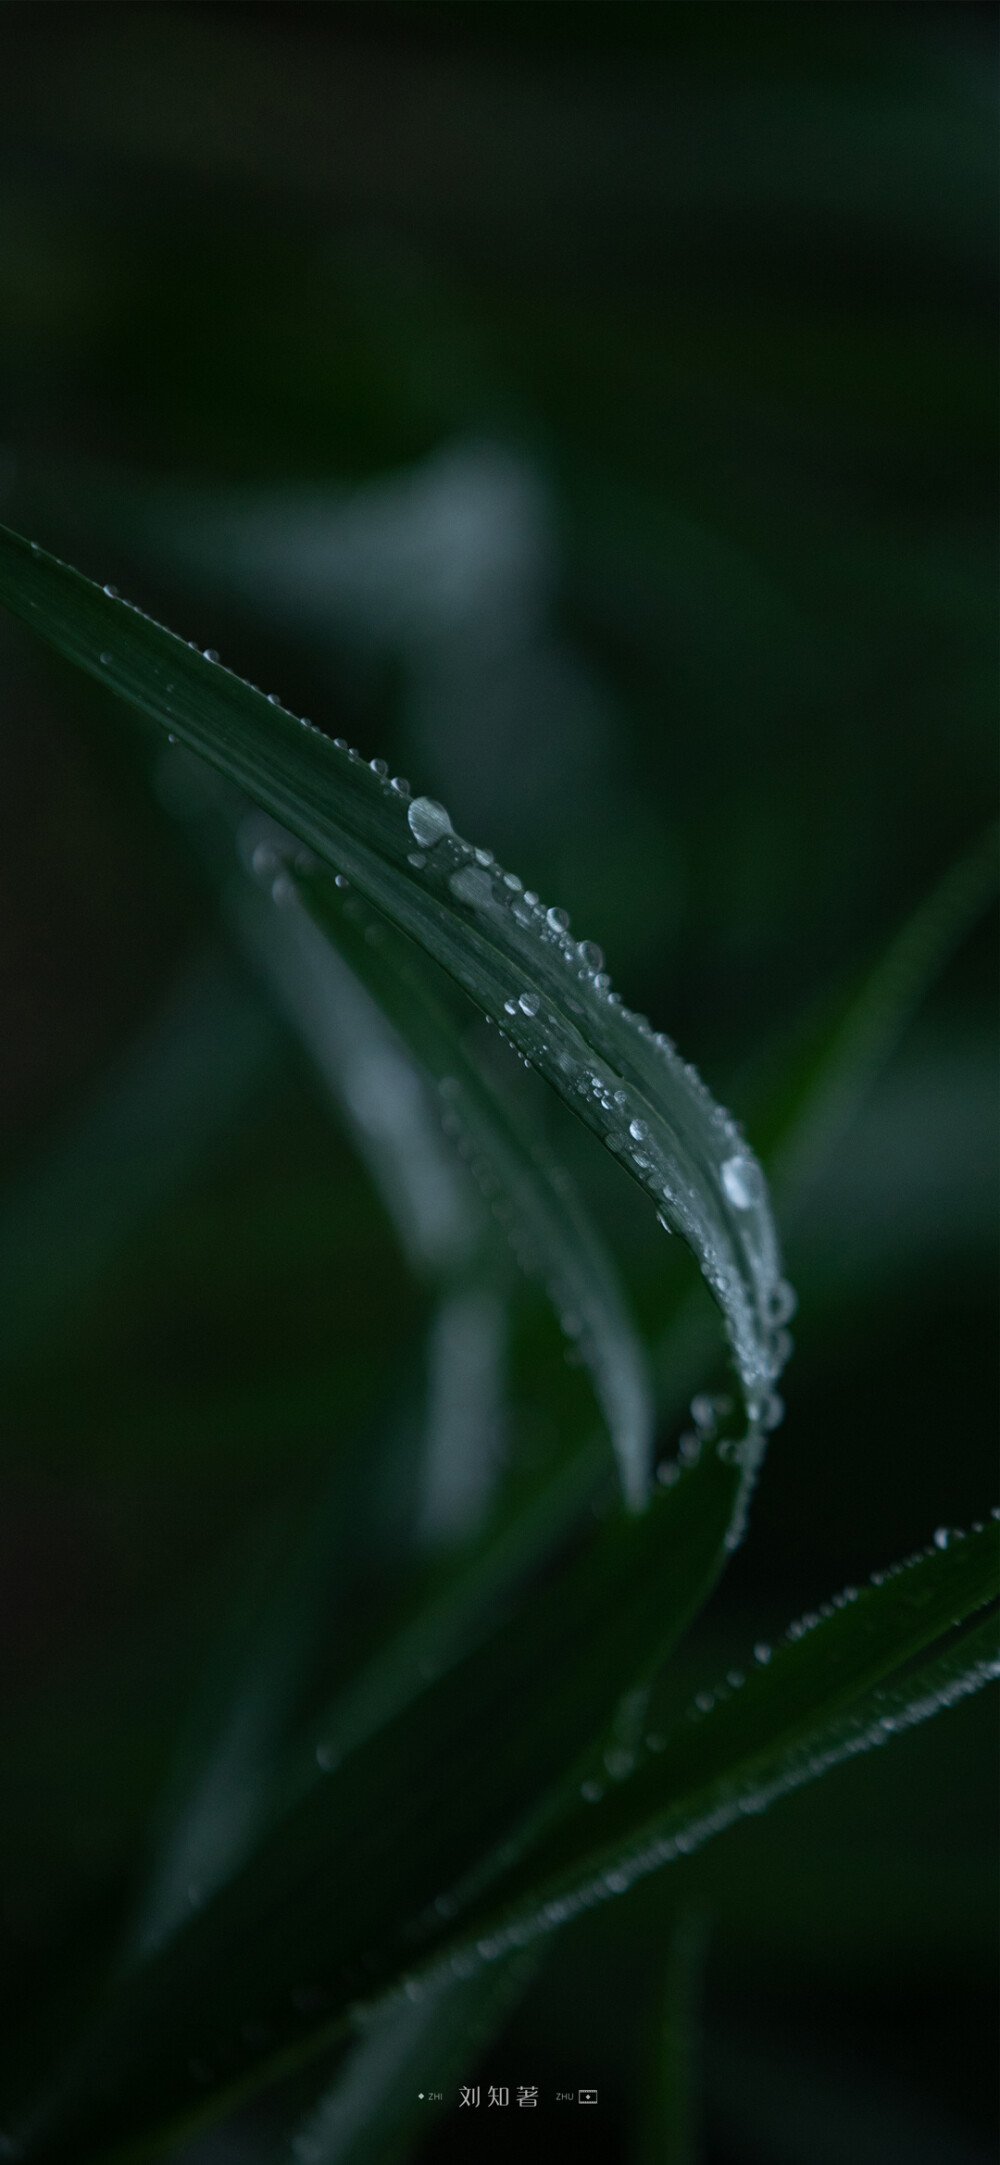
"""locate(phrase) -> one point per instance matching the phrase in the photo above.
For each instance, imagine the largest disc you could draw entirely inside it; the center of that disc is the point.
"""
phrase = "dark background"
(591, 409)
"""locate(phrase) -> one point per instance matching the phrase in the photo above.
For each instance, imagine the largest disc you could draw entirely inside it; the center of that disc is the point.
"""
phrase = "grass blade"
(549, 1228)
(829, 1691)
(514, 958)
(373, 2112)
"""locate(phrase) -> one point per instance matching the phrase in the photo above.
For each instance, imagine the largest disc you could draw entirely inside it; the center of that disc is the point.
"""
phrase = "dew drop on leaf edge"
(429, 821)
(743, 1182)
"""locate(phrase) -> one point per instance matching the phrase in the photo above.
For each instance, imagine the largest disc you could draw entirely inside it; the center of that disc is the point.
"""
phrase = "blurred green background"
(590, 409)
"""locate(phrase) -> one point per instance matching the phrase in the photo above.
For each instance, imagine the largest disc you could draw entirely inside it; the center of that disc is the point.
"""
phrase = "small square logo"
(587, 2097)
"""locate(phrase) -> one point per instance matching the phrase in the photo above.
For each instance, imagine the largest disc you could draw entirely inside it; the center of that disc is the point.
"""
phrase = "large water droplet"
(941, 1538)
(591, 954)
(528, 1002)
(429, 821)
(558, 919)
(743, 1182)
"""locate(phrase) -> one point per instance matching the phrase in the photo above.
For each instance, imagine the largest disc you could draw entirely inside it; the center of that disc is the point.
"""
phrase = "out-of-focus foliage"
(590, 410)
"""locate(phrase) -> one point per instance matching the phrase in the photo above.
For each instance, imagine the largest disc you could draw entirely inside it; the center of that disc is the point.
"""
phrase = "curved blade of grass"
(513, 957)
(391, 1114)
(376, 2108)
(367, 1010)
(355, 1881)
(549, 1228)
(839, 1684)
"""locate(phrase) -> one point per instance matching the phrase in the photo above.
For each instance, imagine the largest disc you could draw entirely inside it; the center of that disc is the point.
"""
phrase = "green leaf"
(400, 1080)
(357, 1880)
(829, 1691)
(515, 959)
(551, 1231)
(390, 1112)
(379, 2103)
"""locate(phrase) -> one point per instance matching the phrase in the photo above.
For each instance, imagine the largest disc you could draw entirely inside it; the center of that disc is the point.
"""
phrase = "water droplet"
(379, 767)
(941, 1538)
(619, 1762)
(591, 954)
(591, 1792)
(736, 1679)
(327, 1757)
(211, 654)
(704, 1701)
(558, 919)
(416, 858)
(743, 1182)
(274, 699)
(105, 661)
(429, 822)
(529, 1003)
(638, 1131)
(668, 1474)
(510, 879)
(783, 1302)
(772, 1412)
(762, 1653)
(111, 592)
(400, 785)
(339, 880)
(665, 1222)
